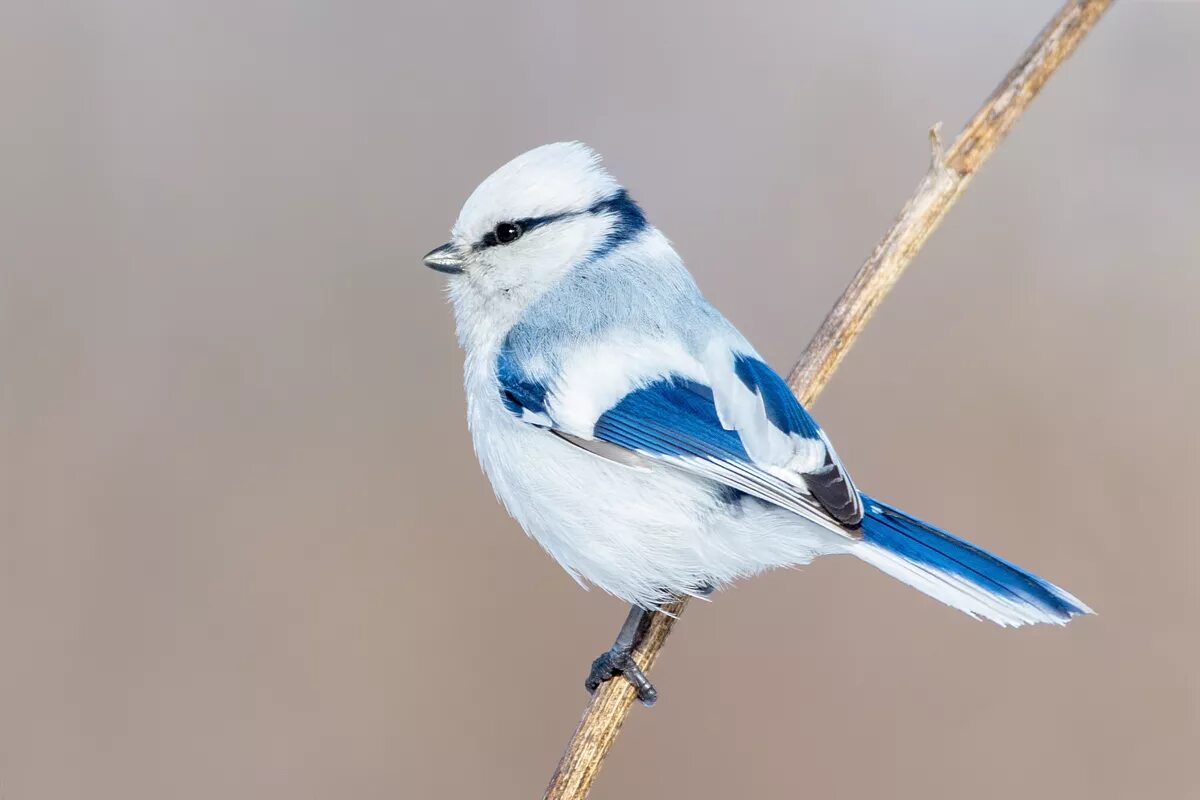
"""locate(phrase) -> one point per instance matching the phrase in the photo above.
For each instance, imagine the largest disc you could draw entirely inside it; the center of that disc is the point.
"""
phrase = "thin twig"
(948, 176)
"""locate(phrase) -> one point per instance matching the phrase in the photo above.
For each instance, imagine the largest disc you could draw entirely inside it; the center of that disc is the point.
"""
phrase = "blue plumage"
(671, 417)
(921, 543)
(628, 220)
(783, 409)
(517, 390)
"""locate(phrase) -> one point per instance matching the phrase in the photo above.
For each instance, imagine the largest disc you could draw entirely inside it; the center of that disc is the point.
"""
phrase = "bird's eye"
(507, 232)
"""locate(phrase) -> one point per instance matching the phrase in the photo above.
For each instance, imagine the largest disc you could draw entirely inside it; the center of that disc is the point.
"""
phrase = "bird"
(639, 438)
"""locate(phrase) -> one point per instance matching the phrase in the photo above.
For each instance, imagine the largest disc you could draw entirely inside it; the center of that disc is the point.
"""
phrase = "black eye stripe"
(629, 221)
(492, 239)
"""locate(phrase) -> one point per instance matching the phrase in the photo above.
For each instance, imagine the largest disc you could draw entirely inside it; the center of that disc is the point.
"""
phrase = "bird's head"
(533, 220)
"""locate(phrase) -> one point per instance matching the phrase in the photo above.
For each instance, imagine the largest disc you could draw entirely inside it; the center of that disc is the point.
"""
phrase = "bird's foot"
(620, 662)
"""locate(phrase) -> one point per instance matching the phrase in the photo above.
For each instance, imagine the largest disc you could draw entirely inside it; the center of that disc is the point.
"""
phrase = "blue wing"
(742, 427)
(673, 417)
(676, 419)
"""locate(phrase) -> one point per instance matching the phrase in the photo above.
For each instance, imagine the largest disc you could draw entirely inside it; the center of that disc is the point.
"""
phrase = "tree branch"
(948, 176)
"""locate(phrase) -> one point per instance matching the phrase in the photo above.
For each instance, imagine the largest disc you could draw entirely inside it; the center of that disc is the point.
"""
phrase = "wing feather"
(778, 432)
(727, 417)
(675, 420)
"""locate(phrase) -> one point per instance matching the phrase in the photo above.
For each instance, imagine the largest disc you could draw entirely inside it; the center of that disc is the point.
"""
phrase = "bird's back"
(641, 294)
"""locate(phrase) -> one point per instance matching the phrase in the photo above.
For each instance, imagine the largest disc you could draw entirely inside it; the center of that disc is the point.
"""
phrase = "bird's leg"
(618, 660)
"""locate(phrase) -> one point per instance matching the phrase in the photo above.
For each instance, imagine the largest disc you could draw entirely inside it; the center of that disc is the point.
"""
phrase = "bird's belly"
(642, 535)
(637, 534)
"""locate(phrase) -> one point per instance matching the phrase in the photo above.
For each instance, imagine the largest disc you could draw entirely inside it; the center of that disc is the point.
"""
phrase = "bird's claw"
(618, 662)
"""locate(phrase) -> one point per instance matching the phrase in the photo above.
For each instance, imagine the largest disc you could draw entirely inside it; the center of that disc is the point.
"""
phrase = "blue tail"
(957, 572)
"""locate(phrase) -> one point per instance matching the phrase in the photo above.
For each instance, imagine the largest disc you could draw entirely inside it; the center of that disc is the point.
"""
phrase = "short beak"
(445, 259)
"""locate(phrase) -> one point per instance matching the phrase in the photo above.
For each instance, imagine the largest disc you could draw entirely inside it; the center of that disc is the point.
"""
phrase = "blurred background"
(246, 550)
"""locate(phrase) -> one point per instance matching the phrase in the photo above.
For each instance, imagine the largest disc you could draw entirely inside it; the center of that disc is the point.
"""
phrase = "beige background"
(246, 551)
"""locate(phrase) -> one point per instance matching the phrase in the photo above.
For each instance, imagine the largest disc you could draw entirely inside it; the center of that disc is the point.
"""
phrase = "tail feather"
(957, 572)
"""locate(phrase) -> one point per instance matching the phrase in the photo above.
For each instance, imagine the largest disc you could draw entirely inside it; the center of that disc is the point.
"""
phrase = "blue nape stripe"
(670, 417)
(783, 409)
(517, 390)
(628, 221)
(922, 543)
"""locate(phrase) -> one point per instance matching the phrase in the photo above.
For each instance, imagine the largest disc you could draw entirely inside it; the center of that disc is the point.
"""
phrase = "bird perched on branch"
(639, 438)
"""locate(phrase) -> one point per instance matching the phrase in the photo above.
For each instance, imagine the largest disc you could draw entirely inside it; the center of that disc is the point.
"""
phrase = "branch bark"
(947, 178)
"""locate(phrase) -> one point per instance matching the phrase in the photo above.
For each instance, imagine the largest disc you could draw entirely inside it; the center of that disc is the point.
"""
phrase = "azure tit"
(639, 438)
